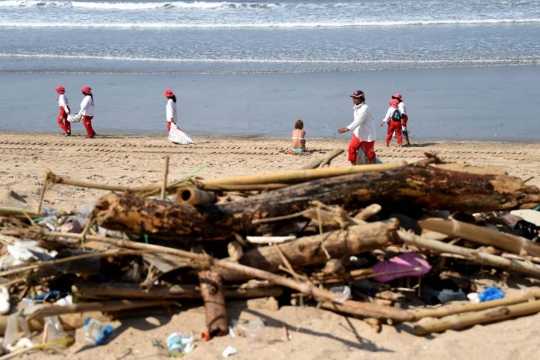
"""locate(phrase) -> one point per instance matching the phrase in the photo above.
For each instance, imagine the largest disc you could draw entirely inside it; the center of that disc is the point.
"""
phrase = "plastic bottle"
(55, 332)
(343, 291)
(255, 333)
(179, 344)
(96, 332)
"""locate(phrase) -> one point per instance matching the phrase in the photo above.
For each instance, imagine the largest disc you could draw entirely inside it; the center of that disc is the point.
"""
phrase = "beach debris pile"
(389, 243)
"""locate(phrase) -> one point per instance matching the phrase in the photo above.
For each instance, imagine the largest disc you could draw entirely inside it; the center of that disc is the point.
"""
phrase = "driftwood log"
(406, 186)
(185, 291)
(369, 310)
(214, 302)
(315, 249)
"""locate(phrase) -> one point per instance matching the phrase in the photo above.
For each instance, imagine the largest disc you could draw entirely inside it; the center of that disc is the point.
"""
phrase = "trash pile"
(390, 243)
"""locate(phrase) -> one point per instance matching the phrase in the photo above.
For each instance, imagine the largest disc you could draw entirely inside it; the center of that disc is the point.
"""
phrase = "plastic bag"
(362, 159)
(74, 118)
(177, 136)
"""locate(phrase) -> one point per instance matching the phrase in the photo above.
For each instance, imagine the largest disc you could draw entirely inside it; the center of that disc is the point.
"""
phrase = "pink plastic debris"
(408, 264)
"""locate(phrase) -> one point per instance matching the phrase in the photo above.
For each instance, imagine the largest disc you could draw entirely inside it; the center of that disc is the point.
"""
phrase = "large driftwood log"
(410, 186)
(315, 249)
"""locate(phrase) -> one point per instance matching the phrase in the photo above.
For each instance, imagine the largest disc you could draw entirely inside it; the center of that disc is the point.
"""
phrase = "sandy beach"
(314, 333)
(139, 160)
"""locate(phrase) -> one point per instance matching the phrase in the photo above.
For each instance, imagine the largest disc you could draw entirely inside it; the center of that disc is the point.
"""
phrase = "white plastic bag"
(362, 159)
(177, 136)
(74, 118)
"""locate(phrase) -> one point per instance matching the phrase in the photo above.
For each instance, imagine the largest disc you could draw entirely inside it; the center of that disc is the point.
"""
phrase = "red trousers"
(63, 122)
(169, 126)
(394, 126)
(87, 122)
(356, 144)
(404, 119)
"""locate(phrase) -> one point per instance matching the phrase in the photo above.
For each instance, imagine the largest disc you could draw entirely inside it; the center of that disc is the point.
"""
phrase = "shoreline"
(104, 135)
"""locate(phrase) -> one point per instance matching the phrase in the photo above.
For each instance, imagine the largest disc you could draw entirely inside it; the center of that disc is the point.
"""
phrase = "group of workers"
(363, 126)
(85, 114)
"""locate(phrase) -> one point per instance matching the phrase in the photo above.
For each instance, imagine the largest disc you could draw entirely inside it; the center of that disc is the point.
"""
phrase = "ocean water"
(467, 69)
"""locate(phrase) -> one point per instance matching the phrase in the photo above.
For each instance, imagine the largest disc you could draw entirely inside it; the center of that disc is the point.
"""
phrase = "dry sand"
(314, 334)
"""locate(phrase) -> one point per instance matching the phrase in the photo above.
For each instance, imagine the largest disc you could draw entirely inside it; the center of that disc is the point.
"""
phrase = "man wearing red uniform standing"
(363, 129)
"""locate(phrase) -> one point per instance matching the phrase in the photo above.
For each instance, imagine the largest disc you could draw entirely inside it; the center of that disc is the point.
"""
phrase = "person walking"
(393, 118)
(170, 109)
(87, 111)
(404, 116)
(363, 129)
(62, 119)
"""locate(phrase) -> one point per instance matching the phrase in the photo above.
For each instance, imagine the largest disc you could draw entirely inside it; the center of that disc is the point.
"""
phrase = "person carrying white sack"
(176, 136)
(170, 109)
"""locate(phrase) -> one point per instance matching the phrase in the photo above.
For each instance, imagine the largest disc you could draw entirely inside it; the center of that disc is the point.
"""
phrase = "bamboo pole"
(133, 245)
(150, 189)
(194, 196)
(469, 319)
(8, 211)
(297, 176)
(165, 175)
(479, 257)
(482, 235)
(106, 306)
(42, 196)
(233, 187)
(111, 252)
(56, 179)
(453, 309)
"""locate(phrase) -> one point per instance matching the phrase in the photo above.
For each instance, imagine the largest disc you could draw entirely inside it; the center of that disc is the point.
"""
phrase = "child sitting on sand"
(298, 138)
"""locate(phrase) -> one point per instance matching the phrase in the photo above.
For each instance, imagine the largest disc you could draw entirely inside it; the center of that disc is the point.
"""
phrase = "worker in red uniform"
(87, 111)
(404, 116)
(393, 118)
(63, 122)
